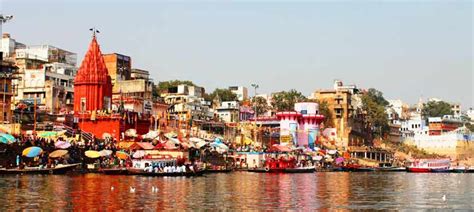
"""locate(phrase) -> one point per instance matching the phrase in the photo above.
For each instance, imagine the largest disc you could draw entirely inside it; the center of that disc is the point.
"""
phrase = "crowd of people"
(11, 153)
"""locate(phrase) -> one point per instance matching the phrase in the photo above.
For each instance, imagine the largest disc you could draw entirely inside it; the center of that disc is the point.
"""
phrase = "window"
(83, 104)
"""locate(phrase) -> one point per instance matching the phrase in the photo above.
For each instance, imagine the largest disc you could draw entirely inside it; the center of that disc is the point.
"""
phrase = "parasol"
(92, 154)
(32, 152)
(58, 153)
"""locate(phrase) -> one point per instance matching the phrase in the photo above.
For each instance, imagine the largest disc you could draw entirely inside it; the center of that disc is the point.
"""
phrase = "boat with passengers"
(429, 165)
(58, 169)
(162, 166)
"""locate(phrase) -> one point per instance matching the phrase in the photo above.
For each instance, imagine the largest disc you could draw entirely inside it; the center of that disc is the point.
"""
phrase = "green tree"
(373, 104)
(467, 120)
(164, 85)
(224, 95)
(155, 92)
(285, 100)
(436, 109)
(327, 113)
(261, 104)
(377, 96)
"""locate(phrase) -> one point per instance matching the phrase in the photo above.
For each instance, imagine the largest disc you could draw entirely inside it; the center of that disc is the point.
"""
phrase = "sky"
(406, 49)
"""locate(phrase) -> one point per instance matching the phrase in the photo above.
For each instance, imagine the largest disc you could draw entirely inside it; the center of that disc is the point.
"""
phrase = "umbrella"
(171, 135)
(138, 154)
(174, 140)
(8, 137)
(122, 155)
(58, 153)
(131, 133)
(105, 152)
(62, 144)
(220, 146)
(319, 157)
(218, 140)
(106, 135)
(92, 154)
(195, 140)
(332, 152)
(151, 135)
(339, 160)
(48, 134)
(4, 140)
(201, 144)
(32, 152)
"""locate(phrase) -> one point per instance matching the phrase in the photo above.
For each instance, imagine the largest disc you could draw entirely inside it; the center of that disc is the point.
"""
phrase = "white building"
(240, 91)
(470, 114)
(394, 109)
(414, 126)
(228, 111)
(45, 74)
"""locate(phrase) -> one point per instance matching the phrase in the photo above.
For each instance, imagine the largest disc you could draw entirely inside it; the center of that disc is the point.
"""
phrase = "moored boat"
(59, 169)
(309, 169)
(429, 165)
(458, 169)
(210, 171)
(114, 171)
(391, 169)
(132, 171)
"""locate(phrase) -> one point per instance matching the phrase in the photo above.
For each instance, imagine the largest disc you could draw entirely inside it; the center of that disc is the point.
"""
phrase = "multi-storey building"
(240, 91)
(45, 75)
(347, 121)
(7, 71)
(119, 66)
(441, 125)
(228, 111)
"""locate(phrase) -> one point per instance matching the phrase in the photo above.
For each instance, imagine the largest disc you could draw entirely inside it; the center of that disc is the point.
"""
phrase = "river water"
(240, 191)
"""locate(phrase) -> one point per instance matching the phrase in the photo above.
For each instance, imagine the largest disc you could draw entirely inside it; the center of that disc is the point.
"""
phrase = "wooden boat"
(470, 170)
(60, 169)
(210, 171)
(267, 170)
(310, 169)
(458, 169)
(114, 171)
(429, 165)
(132, 171)
(441, 170)
(391, 169)
(357, 168)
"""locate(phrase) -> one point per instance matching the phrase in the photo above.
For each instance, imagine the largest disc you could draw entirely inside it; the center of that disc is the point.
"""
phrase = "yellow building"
(348, 122)
(119, 66)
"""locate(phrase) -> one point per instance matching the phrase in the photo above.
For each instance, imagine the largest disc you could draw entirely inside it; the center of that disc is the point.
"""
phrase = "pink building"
(301, 126)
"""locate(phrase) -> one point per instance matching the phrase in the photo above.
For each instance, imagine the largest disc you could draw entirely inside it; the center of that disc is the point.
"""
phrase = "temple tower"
(92, 84)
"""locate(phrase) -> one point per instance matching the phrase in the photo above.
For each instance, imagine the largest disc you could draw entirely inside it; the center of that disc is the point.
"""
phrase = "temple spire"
(94, 31)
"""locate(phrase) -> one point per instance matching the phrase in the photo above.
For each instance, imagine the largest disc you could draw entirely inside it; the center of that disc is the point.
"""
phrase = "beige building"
(45, 75)
(344, 101)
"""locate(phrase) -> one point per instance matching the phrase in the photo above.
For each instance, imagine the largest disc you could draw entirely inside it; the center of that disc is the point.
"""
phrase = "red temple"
(93, 94)
(92, 84)
(93, 100)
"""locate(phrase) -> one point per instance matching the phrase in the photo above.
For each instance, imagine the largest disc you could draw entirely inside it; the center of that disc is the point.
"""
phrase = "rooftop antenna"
(94, 31)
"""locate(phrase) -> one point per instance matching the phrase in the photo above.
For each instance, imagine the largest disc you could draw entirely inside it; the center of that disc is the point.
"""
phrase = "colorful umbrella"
(4, 140)
(32, 152)
(62, 144)
(105, 152)
(8, 137)
(122, 155)
(138, 154)
(339, 160)
(106, 135)
(92, 154)
(131, 133)
(58, 153)
(48, 134)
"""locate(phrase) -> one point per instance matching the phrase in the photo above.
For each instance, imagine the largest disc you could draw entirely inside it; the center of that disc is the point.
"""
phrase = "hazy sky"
(406, 49)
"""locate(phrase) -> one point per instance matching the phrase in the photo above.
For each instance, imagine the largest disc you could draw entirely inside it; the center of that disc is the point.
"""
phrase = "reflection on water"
(240, 190)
